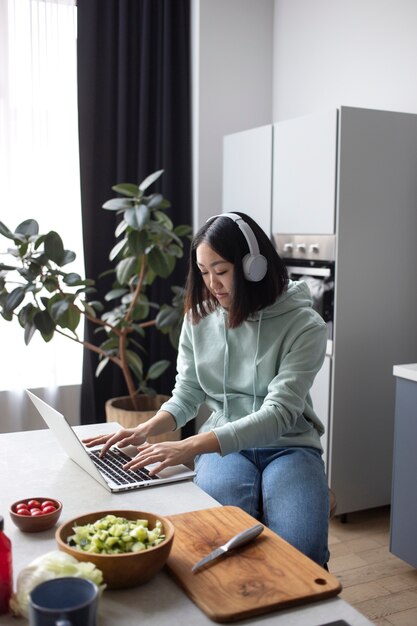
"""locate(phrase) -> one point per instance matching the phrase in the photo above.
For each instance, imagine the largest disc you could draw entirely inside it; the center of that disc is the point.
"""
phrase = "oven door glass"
(320, 281)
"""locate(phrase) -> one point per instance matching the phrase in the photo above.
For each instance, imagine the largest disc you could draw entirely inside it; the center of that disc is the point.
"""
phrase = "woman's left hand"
(165, 453)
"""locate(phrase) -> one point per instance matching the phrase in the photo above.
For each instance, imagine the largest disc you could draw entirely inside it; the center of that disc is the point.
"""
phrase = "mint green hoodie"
(256, 378)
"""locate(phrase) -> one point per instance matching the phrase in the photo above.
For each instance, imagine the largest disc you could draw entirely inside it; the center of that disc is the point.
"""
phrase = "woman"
(250, 348)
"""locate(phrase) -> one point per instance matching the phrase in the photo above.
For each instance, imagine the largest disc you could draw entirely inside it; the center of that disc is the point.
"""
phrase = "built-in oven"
(311, 258)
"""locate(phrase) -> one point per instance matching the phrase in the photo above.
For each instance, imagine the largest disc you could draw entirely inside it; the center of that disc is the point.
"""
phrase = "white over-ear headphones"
(254, 264)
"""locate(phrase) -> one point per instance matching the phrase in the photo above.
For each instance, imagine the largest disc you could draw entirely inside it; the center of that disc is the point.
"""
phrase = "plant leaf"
(30, 330)
(174, 334)
(5, 267)
(126, 269)
(5, 231)
(14, 298)
(135, 363)
(96, 304)
(54, 248)
(183, 230)
(45, 324)
(150, 179)
(68, 257)
(7, 315)
(120, 228)
(164, 220)
(110, 345)
(113, 294)
(167, 316)
(59, 308)
(101, 366)
(161, 263)
(28, 228)
(142, 215)
(138, 242)
(138, 329)
(117, 204)
(26, 314)
(157, 369)
(130, 218)
(127, 189)
(71, 319)
(140, 312)
(72, 279)
(155, 200)
(89, 310)
(116, 249)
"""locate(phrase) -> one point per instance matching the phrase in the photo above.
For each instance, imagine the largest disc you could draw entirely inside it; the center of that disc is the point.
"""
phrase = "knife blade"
(238, 540)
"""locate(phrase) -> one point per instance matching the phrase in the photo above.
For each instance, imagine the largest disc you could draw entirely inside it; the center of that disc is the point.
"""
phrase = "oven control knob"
(288, 247)
(315, 248)
(301, 247)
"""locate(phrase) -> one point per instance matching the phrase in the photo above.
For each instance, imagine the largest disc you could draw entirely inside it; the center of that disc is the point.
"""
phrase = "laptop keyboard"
(112, 466)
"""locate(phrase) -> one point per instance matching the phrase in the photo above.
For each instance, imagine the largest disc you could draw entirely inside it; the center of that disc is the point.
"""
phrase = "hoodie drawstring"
(226, 367)
(255, 369)
(225, 370)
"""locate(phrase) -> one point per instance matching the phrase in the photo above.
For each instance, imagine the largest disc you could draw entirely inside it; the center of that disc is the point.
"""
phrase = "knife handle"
(244, 537)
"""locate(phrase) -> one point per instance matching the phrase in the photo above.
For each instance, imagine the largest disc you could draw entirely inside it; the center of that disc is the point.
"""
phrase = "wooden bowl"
(30, 524)
(121, 571)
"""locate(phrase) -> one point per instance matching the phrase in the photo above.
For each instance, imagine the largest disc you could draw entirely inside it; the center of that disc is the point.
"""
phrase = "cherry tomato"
(34, 504)
(35, 512)
(47, 503)
(23, 511)
(21, 505)
(48, 509)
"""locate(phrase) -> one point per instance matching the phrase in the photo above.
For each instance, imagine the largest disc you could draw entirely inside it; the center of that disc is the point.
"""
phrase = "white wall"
(232, 85)
(261, 61)
(329, 53)
(17, 411)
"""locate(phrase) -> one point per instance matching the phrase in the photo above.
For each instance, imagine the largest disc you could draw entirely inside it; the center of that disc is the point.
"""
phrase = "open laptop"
(108, 470)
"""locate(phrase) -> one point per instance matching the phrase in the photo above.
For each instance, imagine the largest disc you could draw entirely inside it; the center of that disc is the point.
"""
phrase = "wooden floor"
(379, 585)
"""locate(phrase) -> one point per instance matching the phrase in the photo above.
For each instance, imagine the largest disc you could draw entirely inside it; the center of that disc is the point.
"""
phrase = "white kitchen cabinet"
(304, 174)
(247, 174)
(366, 179)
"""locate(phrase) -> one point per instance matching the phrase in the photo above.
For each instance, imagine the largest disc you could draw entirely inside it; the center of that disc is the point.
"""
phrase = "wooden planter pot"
(120, 410)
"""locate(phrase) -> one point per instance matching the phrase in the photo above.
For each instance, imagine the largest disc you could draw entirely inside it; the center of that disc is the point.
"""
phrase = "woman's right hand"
(124, 437)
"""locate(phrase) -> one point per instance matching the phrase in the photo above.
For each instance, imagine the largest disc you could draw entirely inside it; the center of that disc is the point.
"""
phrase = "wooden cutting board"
(267, 574)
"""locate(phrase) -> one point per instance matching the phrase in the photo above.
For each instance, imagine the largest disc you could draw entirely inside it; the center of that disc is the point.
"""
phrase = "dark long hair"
(225, 237)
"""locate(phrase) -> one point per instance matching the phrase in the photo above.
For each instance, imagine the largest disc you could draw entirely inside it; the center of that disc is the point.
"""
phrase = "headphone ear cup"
(254, 267)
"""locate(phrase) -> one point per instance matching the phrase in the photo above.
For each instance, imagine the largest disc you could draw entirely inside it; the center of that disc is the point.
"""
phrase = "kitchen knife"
(238, 540)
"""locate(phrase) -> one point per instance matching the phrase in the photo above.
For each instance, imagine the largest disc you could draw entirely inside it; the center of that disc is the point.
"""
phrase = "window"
(39, 165)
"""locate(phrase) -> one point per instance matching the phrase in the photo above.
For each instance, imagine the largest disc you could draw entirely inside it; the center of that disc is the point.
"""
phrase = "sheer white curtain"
(39, 166)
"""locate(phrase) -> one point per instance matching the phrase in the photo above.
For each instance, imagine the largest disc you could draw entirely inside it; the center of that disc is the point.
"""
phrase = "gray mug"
(66, 601)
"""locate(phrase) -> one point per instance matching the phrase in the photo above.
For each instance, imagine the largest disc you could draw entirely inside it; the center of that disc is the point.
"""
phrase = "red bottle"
(6, 572)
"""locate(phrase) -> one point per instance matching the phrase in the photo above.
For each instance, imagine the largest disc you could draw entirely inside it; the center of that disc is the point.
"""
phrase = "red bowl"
(32, 523)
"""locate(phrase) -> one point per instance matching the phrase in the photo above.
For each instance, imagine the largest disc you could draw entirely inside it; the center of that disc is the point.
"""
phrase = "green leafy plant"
(43, 297)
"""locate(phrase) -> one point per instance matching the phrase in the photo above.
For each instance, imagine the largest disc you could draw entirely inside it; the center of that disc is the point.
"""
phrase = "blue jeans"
(284, 488)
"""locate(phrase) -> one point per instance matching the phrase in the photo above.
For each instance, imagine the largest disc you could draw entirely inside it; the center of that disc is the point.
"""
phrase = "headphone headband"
(254, 264)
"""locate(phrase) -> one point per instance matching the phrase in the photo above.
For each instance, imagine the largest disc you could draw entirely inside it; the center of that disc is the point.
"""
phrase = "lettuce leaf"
(55, 564)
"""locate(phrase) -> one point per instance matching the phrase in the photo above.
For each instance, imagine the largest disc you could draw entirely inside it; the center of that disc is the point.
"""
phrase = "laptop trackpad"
(174, 471)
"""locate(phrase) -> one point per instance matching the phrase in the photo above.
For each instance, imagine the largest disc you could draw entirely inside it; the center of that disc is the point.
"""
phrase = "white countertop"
(33, 464)
(408, 371)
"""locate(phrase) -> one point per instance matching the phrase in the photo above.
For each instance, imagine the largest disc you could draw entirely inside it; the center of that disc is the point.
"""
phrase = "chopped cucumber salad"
(116, 535)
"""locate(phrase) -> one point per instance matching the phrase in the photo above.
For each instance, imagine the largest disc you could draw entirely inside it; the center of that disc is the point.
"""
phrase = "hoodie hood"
(296, 296)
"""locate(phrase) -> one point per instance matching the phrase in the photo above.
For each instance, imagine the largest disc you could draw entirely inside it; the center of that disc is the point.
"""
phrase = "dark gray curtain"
(134, 104)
